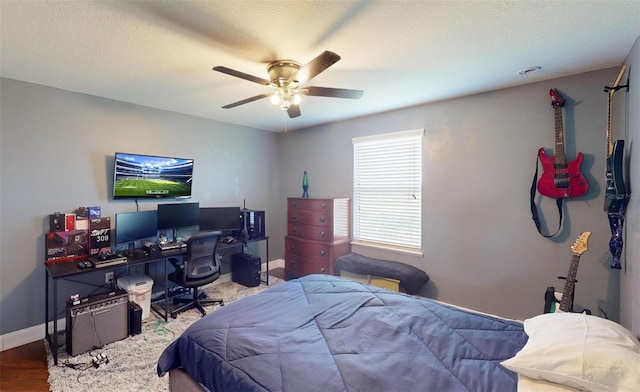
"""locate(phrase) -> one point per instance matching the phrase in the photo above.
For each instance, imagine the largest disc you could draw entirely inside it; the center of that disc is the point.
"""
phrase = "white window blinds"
(387, 189)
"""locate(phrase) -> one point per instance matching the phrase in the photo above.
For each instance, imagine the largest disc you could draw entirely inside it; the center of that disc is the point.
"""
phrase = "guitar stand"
(585, 311)
(609, 88)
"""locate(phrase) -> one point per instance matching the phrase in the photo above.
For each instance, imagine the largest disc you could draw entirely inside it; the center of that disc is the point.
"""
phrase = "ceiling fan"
(288, 77)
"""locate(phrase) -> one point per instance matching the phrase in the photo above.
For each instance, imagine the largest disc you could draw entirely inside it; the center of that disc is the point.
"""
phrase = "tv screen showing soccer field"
(147, 176)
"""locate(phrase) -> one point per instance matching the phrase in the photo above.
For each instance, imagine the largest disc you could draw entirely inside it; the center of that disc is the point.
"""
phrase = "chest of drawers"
(317, 233)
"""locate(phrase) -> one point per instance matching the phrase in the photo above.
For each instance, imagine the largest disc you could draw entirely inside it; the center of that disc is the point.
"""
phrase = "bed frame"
(180, 381)
(322, 318)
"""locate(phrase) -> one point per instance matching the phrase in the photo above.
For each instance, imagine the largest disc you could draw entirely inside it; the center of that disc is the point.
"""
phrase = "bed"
(325, 333)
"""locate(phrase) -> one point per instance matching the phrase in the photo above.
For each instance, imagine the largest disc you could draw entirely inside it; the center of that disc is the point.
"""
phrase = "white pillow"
(580, 351)
(526, 384)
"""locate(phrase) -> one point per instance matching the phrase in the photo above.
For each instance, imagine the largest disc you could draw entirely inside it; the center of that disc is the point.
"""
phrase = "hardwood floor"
(24, 368)
(277, 272)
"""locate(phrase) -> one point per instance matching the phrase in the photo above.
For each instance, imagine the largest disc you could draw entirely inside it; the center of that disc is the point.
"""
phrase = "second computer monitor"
(135, 226)
(178, 215)
(225, 219)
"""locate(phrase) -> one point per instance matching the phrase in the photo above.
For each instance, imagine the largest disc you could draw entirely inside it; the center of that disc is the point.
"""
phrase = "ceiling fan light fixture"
(288, 78)
(285, 103)
(275, 99)
(285, 97)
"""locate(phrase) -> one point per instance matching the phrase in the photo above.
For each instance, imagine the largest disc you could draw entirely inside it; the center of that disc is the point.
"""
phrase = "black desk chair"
(201, 266)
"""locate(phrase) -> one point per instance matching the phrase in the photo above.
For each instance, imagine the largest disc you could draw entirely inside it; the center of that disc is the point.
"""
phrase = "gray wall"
(57, 152)
(481, 248)
(630, 124)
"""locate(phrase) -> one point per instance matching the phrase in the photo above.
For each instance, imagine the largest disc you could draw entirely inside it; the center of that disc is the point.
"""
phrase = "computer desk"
(55, 271)
(243, 244)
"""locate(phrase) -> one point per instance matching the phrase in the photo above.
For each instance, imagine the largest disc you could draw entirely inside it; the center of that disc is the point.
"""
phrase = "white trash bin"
(139, 287)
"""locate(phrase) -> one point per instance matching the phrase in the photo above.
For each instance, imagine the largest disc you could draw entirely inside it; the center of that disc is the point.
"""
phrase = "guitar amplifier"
(97, 321)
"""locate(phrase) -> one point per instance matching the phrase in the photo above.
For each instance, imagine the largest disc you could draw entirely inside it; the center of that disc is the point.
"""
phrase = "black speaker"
(245, 269)
(153, 249)
(97, 321)
(135, 319)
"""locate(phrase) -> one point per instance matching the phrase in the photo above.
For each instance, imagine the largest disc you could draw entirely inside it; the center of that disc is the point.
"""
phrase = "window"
(387, 190)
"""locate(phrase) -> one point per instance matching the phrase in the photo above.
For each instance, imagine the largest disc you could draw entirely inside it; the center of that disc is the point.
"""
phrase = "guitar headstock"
(580, 244)
(556, 98)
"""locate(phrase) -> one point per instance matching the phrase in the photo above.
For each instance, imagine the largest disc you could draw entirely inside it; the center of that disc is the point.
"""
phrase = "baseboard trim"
(277, 263)
(35, 333)
(27, 335)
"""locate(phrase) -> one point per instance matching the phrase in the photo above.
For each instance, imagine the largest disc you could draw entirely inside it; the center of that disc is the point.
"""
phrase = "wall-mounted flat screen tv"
(148, 176)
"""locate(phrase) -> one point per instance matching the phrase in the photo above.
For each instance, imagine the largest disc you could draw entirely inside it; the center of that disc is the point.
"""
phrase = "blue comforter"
(324, 333)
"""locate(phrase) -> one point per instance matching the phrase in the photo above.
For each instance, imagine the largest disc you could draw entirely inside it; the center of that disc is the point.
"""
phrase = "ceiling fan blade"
(198, 22)
(247, 100)
(331, 92)
(241, 75)
(314, 67)
(294, 111)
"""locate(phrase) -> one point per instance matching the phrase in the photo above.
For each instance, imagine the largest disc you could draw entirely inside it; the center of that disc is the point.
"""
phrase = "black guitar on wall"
(616, 188)
(617, 193)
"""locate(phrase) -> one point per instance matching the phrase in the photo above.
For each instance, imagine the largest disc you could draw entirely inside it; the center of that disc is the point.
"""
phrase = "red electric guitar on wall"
(560, 179)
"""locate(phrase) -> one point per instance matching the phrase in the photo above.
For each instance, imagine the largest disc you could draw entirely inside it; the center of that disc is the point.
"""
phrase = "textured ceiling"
(161, 53)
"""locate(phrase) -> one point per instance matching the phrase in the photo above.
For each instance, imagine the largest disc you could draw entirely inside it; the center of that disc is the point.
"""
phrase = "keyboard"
(173, 245)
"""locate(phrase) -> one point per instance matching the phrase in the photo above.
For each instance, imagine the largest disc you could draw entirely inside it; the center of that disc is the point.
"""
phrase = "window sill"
(390, 248)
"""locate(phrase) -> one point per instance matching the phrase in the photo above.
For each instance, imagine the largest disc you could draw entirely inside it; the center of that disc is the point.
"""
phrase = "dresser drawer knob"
(293, 262)
(322, 234)
(294, 217)
(323, 206)
(322, 253)
(322, 219)
(295, 229)
(322, 270)
(292, 246)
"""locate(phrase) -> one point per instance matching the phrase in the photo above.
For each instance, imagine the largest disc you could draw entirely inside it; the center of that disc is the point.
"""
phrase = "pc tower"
(253, 223)
(245, 269)
(135, 319)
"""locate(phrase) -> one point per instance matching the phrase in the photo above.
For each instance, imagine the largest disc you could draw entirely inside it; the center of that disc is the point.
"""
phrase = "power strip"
(99, 359)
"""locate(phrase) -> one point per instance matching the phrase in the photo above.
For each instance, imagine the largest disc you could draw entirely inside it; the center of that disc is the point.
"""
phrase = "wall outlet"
(108, 277)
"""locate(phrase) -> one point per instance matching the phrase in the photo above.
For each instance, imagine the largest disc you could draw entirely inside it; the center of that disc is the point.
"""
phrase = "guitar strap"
(616, 221)
(534, 208)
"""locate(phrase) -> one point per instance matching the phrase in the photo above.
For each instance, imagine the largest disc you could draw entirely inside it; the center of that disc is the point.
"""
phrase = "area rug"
(132, 362)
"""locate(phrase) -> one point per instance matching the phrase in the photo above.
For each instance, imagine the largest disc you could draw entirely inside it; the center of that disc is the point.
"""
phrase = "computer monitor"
(178, 215)
(135, 226)
(225, 219)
